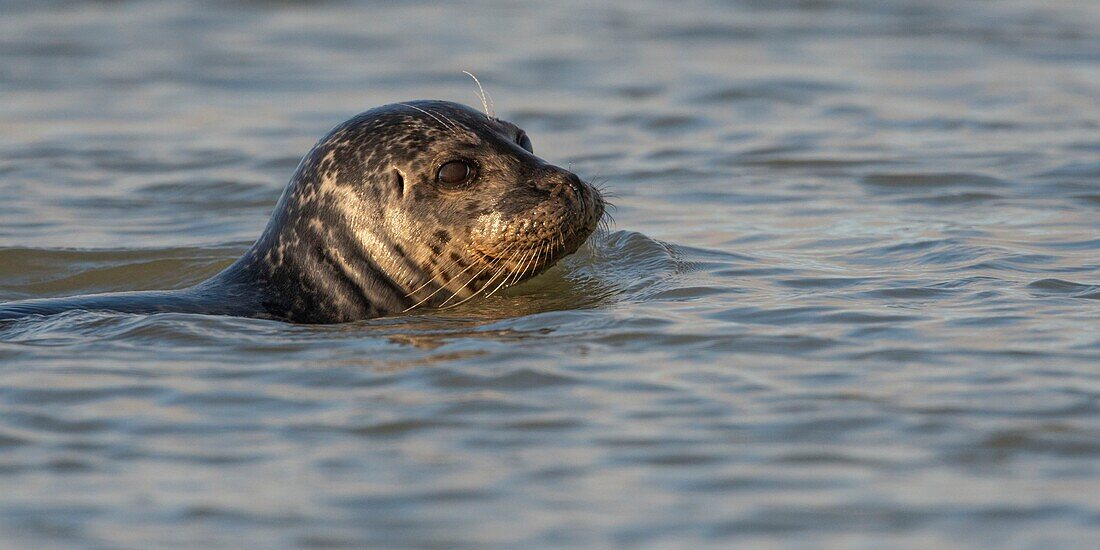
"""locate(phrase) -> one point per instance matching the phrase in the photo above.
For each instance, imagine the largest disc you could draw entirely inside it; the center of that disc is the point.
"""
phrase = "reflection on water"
(850, 298)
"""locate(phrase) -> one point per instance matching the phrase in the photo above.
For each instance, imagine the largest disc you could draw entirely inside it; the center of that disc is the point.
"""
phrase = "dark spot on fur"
(443, 236)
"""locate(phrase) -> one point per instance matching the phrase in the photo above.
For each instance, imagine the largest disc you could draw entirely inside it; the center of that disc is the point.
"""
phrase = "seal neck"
(315, 279)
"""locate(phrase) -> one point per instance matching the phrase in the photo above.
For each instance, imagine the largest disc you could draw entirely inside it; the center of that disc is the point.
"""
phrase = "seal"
(418, 204)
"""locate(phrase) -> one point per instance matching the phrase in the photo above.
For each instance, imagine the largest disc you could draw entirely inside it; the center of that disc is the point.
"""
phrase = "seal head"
(425, 203)
(418, 204)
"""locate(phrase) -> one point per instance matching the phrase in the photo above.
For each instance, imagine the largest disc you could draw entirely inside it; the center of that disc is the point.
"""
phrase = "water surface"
(850, 298)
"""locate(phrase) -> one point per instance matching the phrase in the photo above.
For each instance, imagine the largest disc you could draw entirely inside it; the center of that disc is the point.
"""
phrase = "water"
(850, 298)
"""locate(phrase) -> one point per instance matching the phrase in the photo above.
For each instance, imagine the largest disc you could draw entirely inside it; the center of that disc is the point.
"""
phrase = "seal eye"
(455, 172)
(523, 141)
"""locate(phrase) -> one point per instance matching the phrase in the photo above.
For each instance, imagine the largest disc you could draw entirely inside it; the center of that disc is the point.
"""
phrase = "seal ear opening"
(398, 182)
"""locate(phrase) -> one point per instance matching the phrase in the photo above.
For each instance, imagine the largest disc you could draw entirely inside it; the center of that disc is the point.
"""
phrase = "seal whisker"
(534, 263)
(530, 257)
(444, 285)
(437, 119)
(484, 104)
(424, 253)
(432, 279)
(604, 222)
(478, 274)
(464, 300)
(476, 293)
(503, 269)
(544, 253)
(600, 184)
(527, 264)
(515, 274)
(507, 271)
(457, 128)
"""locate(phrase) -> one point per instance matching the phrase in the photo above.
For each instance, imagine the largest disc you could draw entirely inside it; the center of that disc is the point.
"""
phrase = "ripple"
(523, 379)
(1059, 287)
(911, 293)
(400, 428)
(931, 252)
(1073, 172)
(661, 123)
(1053, 439)
(10, 440)
(924, 181)
(948, 199)
(781, 91)
(823, 282)
(768, 158)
